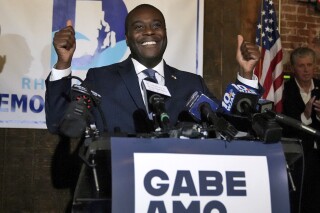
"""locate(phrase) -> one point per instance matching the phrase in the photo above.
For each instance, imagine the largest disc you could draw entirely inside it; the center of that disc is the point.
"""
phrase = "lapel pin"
(174, 77)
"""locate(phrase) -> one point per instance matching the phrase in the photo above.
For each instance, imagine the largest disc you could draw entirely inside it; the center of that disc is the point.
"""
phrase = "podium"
(183, 175)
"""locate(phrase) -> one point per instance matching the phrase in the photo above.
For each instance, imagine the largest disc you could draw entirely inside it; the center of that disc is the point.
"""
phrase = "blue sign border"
(123, 165)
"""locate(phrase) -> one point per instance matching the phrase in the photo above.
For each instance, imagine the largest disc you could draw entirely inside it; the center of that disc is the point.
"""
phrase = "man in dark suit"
(297, 100)
(119, 84)
(300, 102)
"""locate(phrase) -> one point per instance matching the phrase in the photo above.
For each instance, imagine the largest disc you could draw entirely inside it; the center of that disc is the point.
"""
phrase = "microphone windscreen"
(236, 97)
(196, 100)
(74, 121)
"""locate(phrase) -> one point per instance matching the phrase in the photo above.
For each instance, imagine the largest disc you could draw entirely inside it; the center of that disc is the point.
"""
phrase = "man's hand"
(64, 43)
(248, 55)
(308, 110)
(2, 62)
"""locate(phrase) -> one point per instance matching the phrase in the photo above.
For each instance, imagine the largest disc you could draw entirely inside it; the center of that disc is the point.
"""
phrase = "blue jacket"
(122, 104)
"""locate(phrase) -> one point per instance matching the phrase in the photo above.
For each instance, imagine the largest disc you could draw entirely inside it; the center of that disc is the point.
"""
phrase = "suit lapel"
(130, 79)
(170, 78)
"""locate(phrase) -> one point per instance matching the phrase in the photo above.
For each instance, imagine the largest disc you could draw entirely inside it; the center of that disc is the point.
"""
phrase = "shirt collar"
(140, 67)
(301, 90)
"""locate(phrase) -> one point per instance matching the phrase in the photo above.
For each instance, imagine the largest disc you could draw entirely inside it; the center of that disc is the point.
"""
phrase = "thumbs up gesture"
(64, 43)
(248, 55)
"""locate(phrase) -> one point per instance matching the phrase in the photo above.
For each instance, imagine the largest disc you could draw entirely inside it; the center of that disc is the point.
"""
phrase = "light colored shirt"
(305, 97)
(58, 74)
(252, 83)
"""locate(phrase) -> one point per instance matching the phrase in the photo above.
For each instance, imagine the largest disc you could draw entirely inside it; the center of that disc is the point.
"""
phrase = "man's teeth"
(149, 43)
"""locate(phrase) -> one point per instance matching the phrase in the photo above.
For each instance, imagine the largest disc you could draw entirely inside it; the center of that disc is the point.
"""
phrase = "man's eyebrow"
(140, 21)
(136, 22)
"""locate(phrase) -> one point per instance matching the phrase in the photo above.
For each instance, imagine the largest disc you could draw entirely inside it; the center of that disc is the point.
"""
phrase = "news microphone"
(263, 105)
(202, 108)
(94, 98)
(77, 116)
(195, 102)
(155, 95)
(75, 120)
(266, 106)
(293, 123)
(239, 100)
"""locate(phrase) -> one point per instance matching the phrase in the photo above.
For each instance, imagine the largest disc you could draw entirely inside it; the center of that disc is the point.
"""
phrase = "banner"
(27, 54)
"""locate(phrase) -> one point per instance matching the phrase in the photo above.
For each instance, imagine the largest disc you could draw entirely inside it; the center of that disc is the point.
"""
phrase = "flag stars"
(267, 29)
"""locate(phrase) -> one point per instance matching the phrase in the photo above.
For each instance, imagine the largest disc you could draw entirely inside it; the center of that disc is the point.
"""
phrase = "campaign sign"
(198, 176)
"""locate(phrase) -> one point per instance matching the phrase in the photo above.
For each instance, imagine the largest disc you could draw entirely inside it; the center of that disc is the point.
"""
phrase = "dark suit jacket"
(293, 106)
(122, 103)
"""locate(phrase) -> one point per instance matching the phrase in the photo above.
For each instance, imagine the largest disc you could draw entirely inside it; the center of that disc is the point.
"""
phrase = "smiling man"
(122, 100)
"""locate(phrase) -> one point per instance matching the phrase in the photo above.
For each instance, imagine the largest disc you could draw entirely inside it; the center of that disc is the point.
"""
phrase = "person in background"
(119, 84)
(301, 101)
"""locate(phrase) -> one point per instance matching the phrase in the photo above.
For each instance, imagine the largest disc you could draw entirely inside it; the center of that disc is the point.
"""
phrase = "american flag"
(270, 68)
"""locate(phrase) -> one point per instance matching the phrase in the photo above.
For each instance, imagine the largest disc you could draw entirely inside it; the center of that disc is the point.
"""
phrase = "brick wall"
(299, 26)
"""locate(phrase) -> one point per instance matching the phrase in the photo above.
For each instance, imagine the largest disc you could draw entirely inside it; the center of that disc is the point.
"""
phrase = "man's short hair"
(137, 7)
(301, 52)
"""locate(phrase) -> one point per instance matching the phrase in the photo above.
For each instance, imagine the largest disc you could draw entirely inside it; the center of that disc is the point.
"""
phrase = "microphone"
(75, 119)
(266, 106)
(195, 102)
(239, 100)
(238, 105)
(202, 108)
(155, 95)
(77, 116)
(263, 105)
(293, 123)
(86, 93)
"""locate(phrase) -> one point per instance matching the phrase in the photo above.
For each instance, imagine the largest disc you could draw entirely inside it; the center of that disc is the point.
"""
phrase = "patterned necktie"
(151, 73)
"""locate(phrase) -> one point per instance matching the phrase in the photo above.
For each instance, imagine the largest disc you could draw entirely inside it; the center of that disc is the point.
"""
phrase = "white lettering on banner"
(228, 100)
(201, 183)
(242, 88)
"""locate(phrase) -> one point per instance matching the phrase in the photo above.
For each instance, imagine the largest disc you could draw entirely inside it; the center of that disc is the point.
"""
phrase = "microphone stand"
(290, 178)
(84, 154)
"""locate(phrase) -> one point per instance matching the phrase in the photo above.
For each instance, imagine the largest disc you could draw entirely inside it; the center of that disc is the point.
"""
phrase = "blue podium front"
(168, 175)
